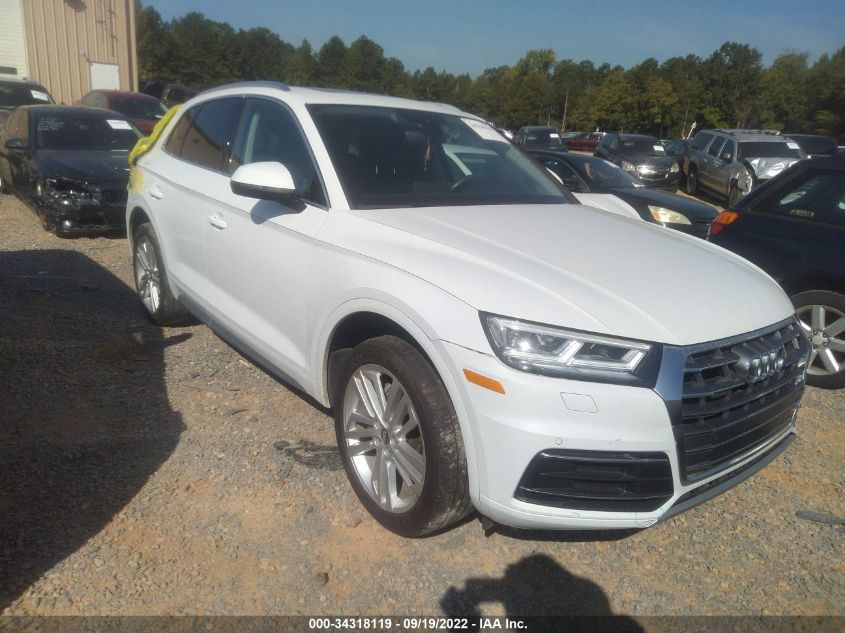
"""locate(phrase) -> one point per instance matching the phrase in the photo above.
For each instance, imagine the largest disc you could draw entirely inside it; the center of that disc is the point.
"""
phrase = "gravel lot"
(149, 471)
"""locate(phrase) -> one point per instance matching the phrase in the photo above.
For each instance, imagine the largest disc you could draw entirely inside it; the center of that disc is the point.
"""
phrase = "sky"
(464, 36)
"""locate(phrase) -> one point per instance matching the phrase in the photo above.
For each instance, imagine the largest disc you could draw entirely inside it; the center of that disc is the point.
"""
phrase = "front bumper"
(83, 216)
(541, 415)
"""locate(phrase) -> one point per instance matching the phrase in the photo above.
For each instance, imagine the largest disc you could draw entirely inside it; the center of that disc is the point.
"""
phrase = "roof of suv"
(758, 136)
(306, 96)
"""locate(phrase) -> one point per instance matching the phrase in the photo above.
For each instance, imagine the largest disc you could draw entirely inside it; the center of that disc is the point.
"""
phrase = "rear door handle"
(156, 192)
(217, 222)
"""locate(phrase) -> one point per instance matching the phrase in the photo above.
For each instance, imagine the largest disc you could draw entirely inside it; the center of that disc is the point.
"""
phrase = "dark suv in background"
(793, 227)
(641, 156)
(730, 163)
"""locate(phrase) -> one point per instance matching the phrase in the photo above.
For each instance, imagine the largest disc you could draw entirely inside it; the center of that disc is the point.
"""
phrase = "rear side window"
(700, 141)
(207, 141)
(267, 131)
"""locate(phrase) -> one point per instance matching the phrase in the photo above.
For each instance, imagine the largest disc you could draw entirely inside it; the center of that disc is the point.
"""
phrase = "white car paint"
(283, 281)
(608, 202)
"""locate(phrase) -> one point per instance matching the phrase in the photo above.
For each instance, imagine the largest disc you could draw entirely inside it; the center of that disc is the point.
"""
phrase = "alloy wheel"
(383, 438)
(825, 327)
(147, 276)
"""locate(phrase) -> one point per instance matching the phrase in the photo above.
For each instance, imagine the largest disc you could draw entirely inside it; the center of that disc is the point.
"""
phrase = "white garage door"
(12, 40)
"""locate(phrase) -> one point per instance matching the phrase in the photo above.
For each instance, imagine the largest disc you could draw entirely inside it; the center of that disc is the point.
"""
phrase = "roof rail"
(278, 85)
(735, 131)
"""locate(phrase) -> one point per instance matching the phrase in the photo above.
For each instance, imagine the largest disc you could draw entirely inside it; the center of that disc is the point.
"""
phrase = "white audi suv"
(483, 340)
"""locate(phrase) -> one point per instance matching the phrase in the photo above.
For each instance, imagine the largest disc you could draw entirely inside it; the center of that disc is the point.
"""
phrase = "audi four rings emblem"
(758, 361)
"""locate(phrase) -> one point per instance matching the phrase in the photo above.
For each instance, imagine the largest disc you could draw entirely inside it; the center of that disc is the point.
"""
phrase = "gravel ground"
(150, 471)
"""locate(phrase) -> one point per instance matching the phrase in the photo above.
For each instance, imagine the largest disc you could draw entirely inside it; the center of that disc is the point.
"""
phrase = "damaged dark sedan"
(70, 165)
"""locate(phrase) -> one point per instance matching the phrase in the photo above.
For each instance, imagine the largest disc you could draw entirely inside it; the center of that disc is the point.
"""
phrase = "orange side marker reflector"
(484, 381)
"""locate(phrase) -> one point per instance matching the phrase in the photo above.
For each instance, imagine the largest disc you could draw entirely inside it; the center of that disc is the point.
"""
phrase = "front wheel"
(822, 316)
(399, 438)
(692, 182)
(151, 279)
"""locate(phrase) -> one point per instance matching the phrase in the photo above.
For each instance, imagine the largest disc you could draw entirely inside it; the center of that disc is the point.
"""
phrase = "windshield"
(83, 131)
(641, 147)
(392, 157)
(13, 95)
(773, 149)
(136, 108)
(604, 174)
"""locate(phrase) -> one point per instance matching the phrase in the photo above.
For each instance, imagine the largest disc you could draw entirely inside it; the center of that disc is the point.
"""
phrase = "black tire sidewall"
(431, 402)
(823, 298)
(692, 182)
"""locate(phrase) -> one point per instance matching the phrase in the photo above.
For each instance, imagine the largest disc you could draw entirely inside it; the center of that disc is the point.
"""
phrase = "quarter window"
(207, 140)
(177, 136)
(268, 132)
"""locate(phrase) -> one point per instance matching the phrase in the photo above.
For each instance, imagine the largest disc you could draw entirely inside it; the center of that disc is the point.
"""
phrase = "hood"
(571, 266)
(658, 162)
(643, 196)
(85, 166)
(765, 168)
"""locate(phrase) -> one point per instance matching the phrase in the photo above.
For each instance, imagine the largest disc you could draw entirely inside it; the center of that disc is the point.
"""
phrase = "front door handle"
(217, 222)
(156, 192)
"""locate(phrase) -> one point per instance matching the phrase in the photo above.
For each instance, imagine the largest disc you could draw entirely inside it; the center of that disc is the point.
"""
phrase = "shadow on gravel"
(84, 415)
(539, 586)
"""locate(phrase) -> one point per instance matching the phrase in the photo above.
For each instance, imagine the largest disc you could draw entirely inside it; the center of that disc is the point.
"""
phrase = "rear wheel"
(733, 194)
(151, 280)
(692, 182)
(822, 316)
(399, 438)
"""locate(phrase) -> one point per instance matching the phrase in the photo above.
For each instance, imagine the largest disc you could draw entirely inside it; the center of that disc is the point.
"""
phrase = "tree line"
(729, 88)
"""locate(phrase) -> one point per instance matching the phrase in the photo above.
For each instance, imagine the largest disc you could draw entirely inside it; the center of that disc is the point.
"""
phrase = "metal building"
(69, 46)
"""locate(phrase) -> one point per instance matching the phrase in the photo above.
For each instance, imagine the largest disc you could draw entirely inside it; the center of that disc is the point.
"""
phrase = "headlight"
(63, 188)
(645, 169)
(552, 351)
(628, 166)
(674, 168)
(667, 216)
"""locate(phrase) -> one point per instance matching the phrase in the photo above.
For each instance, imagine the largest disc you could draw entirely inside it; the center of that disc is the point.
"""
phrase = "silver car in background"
(730, 163)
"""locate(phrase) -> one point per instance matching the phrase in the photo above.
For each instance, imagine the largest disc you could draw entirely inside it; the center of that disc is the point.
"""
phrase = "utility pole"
(565, 105)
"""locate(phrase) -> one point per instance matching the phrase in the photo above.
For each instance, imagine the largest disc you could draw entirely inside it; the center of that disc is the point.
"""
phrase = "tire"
(733, 195)
(692, 182)
(48, 223)
(822, 315)
(425, 485)
(3, 187)
(151, 282)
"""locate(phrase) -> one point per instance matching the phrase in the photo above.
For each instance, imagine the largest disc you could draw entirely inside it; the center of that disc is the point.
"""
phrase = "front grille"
(597, 480)
(724, 415)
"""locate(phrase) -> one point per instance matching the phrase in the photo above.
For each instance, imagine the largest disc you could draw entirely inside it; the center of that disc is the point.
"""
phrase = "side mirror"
(726, 156)
(265, 181)
(16, 143)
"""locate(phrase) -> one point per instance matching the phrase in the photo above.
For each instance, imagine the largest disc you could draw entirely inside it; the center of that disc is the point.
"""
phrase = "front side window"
(84, 132)
(716, 146)
(267, 131)
(393, 157)
(728, 151)
(818, 196)
(207, 140)
(605, 174)
(571, 180)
